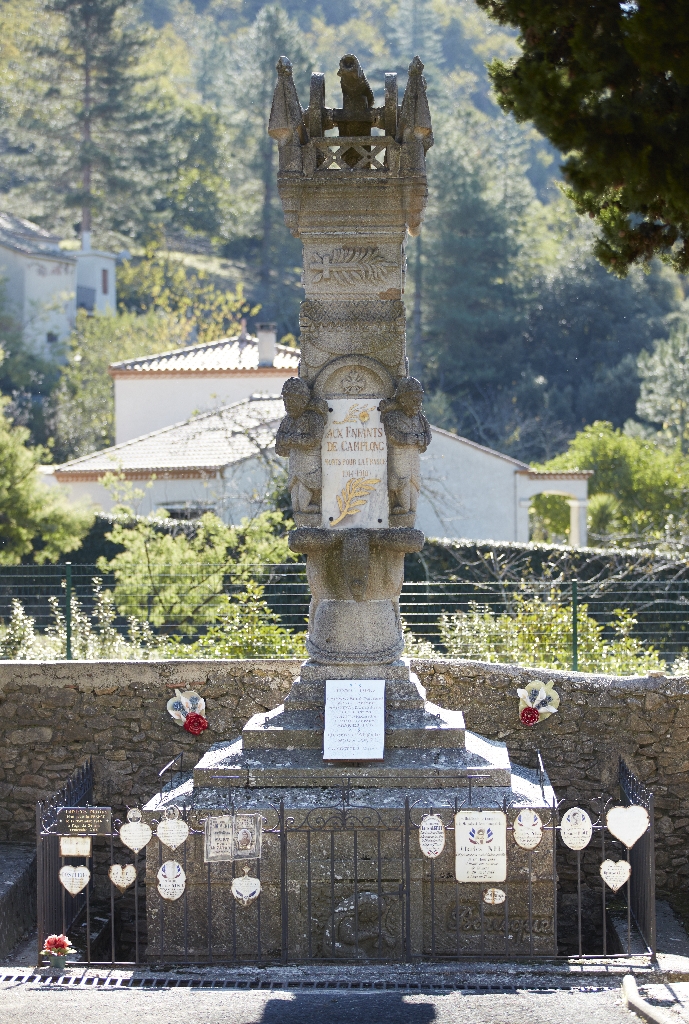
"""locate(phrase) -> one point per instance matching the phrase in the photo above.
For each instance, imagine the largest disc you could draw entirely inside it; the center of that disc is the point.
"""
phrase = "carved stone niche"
(355, 577)
(354, 377)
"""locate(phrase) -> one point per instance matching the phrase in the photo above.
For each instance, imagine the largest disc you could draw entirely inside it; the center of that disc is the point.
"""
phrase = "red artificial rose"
(195, 724)
(529, 716)
(57, 944)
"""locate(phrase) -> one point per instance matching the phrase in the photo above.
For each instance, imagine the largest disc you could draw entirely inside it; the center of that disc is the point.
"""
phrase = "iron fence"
(78, 611)
(57, 909)
(345, 881)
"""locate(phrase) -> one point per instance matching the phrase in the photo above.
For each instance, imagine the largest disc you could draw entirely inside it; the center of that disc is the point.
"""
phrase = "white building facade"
(155, 391)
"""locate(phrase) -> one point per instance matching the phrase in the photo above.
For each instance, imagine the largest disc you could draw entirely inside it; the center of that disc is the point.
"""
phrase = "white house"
(40, 282)
(155, 391)
(221, 461)
(96, 279)
(224, 461)
(475, 493)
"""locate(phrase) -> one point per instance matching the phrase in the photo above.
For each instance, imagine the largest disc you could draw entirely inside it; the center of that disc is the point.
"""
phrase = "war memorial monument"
(370, 821)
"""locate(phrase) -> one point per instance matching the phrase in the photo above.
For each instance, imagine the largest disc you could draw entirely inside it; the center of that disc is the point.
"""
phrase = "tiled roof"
(226, 355)
(201, 446)
(25, 236)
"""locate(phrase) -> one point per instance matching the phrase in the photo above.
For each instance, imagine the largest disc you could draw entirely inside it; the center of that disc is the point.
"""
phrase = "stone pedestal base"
(342, 872)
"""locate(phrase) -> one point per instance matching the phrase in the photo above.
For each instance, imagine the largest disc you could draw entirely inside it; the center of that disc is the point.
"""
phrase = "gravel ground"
(31, 1006)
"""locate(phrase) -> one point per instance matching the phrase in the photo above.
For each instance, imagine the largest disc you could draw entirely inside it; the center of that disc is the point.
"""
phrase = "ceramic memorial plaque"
(528, 830)
(431, 835)
(246, 889)
(135, 833)
(171, 880)
(218, 834)
(615, 873)
(576, 828)
(246, 836)
(627, 823)
(494, 896)
(122, 875)
(480, 846)
(172, 831)
(75, 846)
(354, 720)
(355, 466)
(74, 877)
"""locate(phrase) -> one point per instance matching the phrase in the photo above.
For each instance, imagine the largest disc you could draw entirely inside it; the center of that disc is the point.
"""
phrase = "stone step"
(288, 729)
(483, 761)
(402, 691)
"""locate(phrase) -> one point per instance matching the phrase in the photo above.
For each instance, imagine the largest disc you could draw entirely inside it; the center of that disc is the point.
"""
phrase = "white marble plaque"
(480, 846)
(432, 835)
(527, 830)
(628, 823)
(354, 720)
(355, 465)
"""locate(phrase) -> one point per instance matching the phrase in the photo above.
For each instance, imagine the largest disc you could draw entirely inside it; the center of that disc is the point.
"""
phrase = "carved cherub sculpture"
(408, 434)
(299, 438)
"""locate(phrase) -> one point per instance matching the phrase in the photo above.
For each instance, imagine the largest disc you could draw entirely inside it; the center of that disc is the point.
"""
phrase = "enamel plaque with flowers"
(537, 701)
(188, 710)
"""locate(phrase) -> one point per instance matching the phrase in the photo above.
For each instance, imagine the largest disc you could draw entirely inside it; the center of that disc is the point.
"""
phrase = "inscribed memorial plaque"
(75, 846)
(354, 720)
(83, 821)
(576, 828)
(217, 845)
(480, 846)
(355, 465)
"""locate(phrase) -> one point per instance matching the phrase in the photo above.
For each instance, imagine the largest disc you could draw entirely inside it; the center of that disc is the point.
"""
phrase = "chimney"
(267, 340)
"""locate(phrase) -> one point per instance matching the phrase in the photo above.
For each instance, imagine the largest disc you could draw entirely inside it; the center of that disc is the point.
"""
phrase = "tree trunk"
(86, 167)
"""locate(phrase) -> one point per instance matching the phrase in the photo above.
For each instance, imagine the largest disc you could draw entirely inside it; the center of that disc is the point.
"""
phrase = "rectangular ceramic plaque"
(355, 466)
(217, 845)
(246, 836)
(480, 846)
(354, 720)
(75, 846)
(83, 821)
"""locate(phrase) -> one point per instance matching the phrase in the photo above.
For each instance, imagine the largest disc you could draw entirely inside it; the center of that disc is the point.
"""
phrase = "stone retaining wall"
(53, 715)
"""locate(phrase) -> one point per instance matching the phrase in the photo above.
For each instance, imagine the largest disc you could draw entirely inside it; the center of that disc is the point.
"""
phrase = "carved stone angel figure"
(408, 434)
(299, 437)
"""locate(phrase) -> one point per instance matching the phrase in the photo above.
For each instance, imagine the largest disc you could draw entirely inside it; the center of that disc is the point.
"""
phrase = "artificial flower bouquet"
(57, 948)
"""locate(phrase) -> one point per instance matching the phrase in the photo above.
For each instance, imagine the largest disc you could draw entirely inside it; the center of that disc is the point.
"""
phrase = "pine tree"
(91, 129)
(608, 84)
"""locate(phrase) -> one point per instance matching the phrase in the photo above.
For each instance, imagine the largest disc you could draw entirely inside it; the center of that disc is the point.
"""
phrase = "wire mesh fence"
(245, 610)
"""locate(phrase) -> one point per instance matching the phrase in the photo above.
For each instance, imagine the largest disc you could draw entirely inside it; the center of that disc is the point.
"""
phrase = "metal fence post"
(575, 609)
(68, 611)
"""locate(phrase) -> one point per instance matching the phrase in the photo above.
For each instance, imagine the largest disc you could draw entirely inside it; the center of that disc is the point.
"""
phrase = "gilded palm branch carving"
(354, 496)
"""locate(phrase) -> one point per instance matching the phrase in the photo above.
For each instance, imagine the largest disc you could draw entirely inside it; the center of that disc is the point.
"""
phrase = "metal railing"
(56, 908)
(78, 611)
(642, 899)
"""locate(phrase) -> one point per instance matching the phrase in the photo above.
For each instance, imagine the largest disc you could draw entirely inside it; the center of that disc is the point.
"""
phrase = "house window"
(51, 337)
(104, 275)
(86, 298)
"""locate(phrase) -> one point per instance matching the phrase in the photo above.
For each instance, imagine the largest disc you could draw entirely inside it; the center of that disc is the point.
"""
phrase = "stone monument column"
(354, 426)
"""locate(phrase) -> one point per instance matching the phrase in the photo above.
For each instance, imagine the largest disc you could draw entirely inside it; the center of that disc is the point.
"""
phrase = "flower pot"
(57, 961)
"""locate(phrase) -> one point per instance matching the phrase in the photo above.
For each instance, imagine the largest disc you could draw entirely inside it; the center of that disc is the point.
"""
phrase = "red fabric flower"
(57, 944)
(529, 716)
(195, 724)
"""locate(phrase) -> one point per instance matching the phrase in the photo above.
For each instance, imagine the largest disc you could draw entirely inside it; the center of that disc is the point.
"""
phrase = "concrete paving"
(31, 1006)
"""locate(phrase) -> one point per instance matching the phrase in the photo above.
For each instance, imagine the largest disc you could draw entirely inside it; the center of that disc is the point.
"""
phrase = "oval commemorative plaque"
(528, 830)
(432, 835)
(576, 828)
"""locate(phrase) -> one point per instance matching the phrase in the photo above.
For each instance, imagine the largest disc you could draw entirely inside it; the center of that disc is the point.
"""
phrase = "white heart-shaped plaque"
(432, 835)
(494, 896)
(245, 889)
(576, 828)
(135, 835)
(173, 832)
(628, 823)
(171, 880)
(615, 873)
(122, 875)
(528, 830)
(74, 878)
